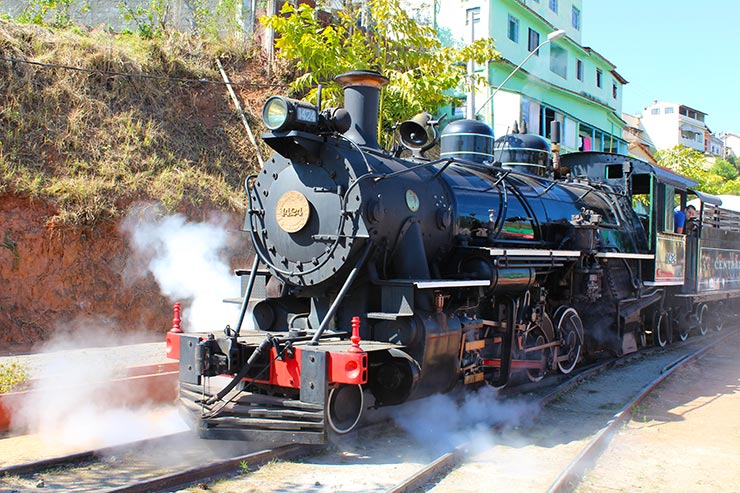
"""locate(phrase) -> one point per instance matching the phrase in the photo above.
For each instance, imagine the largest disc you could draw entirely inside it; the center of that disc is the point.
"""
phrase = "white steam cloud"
(80, 399)
(441, 422)
(186, 260)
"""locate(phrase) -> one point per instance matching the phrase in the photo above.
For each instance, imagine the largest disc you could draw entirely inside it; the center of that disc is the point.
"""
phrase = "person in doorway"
(680, 218)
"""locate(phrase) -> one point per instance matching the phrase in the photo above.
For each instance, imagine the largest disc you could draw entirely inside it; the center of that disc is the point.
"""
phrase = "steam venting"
(441, 422)
(361, 100)
(86, 404)
(187, 259)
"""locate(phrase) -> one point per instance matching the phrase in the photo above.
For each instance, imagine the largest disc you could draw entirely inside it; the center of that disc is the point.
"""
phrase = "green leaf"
(422, 73)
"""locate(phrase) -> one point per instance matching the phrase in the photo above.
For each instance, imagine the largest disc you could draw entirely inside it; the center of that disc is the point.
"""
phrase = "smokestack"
(361, 100)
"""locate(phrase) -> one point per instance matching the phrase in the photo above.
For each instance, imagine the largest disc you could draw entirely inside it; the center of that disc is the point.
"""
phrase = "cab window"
(669, 199)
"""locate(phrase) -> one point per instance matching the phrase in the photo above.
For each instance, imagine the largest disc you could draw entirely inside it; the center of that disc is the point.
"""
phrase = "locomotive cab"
(651, 193)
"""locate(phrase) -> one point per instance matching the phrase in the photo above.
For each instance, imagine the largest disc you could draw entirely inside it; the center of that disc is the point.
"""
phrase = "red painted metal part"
(176, 319)
(355, 336)
(172, 347)
(343, 367)
(346, 367)
(349, 368)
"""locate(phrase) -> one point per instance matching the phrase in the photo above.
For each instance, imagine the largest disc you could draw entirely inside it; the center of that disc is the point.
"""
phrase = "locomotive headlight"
(281, 114)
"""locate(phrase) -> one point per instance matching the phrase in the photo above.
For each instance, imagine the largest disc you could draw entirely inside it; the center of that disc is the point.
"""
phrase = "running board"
(255, 417)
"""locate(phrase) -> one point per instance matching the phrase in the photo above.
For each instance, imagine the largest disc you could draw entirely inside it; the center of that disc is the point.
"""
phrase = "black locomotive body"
(377, 277)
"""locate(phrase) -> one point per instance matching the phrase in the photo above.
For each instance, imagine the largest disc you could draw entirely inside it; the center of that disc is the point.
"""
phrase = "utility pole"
(473, 17)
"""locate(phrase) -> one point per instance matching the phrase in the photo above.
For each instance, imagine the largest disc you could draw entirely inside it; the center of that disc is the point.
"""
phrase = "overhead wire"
(133, 75)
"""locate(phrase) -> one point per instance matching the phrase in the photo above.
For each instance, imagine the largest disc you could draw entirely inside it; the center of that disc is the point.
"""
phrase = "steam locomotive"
(378, 279)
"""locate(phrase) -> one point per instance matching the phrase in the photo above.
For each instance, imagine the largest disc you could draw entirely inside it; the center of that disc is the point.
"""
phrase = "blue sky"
(681, 51)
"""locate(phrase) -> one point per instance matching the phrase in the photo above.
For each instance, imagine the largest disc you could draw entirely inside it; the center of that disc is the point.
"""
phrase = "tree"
(690, 163)
(721, 178)
(421, 71)
(724, 169)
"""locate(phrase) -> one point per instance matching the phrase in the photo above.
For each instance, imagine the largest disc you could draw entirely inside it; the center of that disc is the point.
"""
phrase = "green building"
(561, 81)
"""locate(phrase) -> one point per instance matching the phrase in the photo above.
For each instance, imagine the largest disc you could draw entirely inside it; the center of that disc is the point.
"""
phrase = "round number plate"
(292, 211)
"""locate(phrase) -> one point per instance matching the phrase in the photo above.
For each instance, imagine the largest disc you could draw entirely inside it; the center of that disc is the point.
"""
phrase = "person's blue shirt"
(679, 220)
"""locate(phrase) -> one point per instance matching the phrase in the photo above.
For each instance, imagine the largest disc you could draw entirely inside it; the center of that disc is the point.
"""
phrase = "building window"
(534, 40)
(579, 70)
(614, 90)
(513, 29)
(473, 14)
(655, 111)
(530, 112)
(576, 19)
(549, 115)
(668, 110)
(559, 61)
(599, 75)
(554, 6)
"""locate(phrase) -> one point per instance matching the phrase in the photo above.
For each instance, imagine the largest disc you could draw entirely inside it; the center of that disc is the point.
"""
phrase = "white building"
(731, 144)
(671, 124)
(713, 144)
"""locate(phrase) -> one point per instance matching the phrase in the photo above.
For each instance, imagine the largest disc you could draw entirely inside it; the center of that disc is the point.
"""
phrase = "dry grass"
(94, 143)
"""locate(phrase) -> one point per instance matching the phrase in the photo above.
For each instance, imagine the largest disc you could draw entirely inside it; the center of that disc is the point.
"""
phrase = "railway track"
(441, 474)
(76, 458)
(147, 465)
(400, 465)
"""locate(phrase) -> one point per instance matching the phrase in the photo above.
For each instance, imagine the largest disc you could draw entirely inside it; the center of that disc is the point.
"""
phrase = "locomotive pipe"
(264, 345)
(342, 292)
(247, 293)
(361, 100)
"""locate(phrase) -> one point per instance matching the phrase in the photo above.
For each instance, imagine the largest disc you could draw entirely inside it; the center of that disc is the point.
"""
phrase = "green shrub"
(11, 374)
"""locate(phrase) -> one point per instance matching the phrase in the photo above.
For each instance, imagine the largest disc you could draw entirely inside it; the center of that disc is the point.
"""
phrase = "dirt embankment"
(57, 280)
(79, 146)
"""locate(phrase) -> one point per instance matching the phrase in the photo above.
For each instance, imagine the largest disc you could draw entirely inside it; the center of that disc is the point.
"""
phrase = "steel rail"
(209, 471)
(450, 460)
(571, 476)
(424, 475)
(32, 467)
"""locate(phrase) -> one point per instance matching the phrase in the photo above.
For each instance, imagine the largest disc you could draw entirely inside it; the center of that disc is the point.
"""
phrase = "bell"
(413, 132)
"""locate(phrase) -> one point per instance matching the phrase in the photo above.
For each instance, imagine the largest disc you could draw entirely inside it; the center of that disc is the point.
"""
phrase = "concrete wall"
(107, 13)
